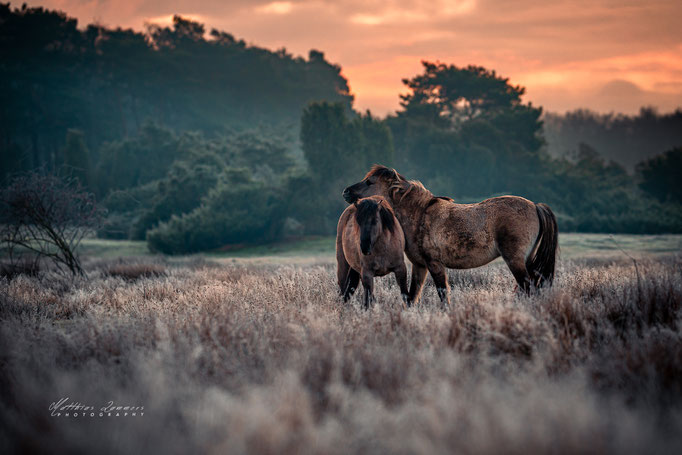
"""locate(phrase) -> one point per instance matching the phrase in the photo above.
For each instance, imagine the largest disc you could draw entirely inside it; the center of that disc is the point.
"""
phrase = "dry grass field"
(242, 356)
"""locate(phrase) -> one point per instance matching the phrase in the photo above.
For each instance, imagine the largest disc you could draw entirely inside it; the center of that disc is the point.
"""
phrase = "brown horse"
(441, 234)
(369, 243)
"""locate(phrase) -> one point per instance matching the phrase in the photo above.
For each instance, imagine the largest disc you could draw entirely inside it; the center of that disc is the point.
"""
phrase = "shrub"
(231, 213)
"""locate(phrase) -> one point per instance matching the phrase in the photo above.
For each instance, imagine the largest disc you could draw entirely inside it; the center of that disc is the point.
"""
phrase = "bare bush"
(267, 359)
(48, 216)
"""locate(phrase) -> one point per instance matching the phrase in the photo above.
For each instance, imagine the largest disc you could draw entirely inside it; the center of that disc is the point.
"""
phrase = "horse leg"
(518, 269)
(418, 278)
(352, 280)
(342, 270)
(440, 278)
(401, 278)
(513, 249)
(368, 285)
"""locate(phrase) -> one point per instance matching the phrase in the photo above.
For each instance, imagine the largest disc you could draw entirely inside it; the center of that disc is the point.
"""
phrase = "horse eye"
(368, 182)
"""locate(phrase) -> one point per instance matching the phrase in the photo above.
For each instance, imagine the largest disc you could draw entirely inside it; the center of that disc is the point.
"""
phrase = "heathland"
(237, 352)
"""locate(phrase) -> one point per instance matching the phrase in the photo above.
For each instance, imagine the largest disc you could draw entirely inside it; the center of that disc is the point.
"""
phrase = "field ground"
(252, 351)
(572, 245)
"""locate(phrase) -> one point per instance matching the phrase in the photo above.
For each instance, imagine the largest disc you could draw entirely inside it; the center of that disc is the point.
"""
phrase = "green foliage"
(125, 207)
(465, 131)
(338, 149)
(12, 161)
(107, 82)
(624, 212)
(661, 176)
(177, 195)
(600, 196)
(626, 139)
(327, 144)
(315, 209)
(446, 93)
(233, 212)
(180, 192)
(138, 160)
(77, 156)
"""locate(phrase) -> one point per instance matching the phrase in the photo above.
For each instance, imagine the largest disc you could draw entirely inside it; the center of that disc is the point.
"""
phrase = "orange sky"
(606, 55)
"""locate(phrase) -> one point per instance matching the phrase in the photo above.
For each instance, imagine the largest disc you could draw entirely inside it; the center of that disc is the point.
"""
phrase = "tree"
(661, 175)
(339, 149)
(326, 142)
(446, 92)
(466, 132)
(77, 157)
(47, 216)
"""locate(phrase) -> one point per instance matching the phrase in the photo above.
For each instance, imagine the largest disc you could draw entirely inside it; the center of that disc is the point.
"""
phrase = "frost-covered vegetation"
(242, 358)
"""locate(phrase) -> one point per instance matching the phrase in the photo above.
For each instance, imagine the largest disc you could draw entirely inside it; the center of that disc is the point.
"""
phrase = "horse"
(441, 234)
(369, 243)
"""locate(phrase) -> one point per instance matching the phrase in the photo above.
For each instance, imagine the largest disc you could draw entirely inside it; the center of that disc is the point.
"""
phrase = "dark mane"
(366, 210)
(382, 172)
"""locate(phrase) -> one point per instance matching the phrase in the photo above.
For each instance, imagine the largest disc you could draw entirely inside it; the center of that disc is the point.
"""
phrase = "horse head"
(379, 181)
(373, 215)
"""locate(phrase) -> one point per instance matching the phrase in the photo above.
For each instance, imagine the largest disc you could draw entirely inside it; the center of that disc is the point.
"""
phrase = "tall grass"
(267, 359)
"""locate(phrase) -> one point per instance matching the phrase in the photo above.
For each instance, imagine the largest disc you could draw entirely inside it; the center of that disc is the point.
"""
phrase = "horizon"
(611, 58)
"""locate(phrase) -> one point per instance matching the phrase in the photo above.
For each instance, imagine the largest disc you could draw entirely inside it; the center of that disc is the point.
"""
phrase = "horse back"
(469, 235)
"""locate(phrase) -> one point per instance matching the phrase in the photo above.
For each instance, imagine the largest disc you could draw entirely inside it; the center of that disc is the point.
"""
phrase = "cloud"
(414, 13)
(275, 8)
(559, 50)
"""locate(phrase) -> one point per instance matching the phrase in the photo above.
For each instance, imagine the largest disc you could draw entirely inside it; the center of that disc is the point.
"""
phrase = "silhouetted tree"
(446, 93)
(466, 131)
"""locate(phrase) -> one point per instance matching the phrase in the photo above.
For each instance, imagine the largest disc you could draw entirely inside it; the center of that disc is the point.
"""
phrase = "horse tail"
(540, 265)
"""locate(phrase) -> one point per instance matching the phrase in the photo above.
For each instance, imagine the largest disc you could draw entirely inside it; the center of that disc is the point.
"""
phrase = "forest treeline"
(194, 140)
(625, 139)
(108, 82)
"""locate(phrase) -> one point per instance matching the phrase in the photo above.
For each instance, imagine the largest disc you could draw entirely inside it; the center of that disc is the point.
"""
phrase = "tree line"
(107, 82)
(193, 142)
(625, 139)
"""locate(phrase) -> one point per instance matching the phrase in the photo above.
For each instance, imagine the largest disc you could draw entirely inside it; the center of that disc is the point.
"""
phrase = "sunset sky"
(607, 55)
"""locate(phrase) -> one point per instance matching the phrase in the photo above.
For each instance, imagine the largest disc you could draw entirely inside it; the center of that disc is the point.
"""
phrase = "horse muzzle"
(348, 197)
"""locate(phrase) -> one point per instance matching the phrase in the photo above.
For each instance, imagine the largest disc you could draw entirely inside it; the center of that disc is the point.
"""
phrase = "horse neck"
(409, 208)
